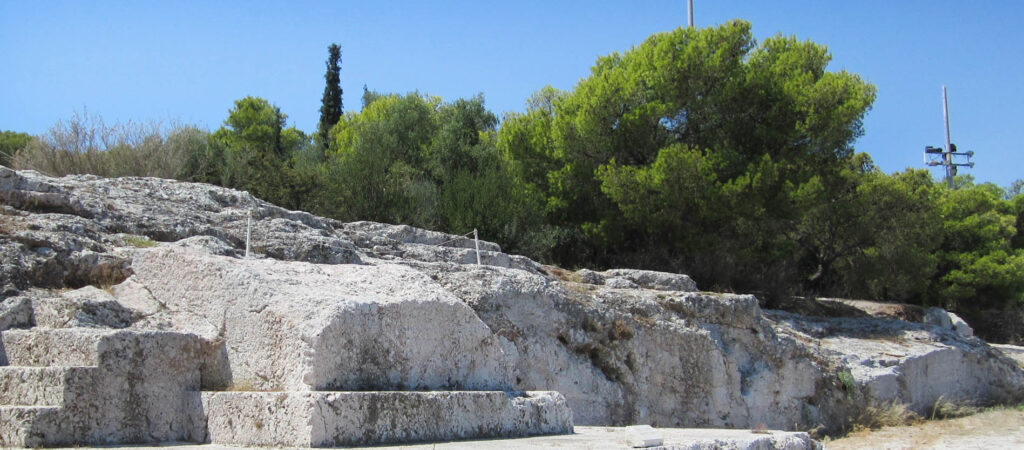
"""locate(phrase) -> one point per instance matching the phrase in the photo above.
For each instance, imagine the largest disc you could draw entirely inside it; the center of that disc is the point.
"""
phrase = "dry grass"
(944, 409)
(1001, 427)
(139, 241)
(621, 330)
(563, 274)
(893, 415)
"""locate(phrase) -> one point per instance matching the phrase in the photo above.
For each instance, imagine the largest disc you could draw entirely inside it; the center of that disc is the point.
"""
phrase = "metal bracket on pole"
(934, 156)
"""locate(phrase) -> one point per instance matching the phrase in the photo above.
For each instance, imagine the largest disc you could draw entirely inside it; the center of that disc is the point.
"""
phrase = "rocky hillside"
(321, 305)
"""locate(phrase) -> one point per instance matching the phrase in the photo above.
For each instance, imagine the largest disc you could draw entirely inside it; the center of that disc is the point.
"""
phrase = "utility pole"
(689, 13)
(950, 168)
(944, 156)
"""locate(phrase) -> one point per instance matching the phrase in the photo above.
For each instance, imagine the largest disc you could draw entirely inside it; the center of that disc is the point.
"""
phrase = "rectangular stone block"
(31, 426)
(326, 419)
(140, 387)
(52, 347)
(38, 386)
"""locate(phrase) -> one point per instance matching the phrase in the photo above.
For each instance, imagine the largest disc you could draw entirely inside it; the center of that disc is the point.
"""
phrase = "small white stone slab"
(643, 436)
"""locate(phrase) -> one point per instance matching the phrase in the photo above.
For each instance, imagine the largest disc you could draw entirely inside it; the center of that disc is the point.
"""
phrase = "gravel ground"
(994, 429)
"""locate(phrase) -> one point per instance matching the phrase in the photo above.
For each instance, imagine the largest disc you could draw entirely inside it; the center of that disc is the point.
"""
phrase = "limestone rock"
(913, 364)
(937, 317)
(16, 312)
(328, 306)
(91, 386)
(301, 326)
(960, 326)
(331, 419)
(947, 321)
(633, 279)
(85, 307)
(1014, 352)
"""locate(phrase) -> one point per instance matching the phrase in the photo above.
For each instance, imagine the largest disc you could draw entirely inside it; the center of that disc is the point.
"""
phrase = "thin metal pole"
(949, 147)
(476, 240)
(689, 13)
(248, 231)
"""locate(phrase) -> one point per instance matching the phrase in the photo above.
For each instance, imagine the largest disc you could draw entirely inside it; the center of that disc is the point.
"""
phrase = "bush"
(85, 144)
(10, 143)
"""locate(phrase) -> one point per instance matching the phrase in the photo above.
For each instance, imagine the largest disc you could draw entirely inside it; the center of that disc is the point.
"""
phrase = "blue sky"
(187, 61)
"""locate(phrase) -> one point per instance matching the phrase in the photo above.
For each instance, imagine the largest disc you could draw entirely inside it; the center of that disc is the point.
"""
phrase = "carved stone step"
(41, 386)
(30, 426)
(52, 347)
(328, 419)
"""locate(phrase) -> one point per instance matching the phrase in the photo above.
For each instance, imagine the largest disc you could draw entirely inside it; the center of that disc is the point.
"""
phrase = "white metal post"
(248, 231)
(476, 241)
(689, 13)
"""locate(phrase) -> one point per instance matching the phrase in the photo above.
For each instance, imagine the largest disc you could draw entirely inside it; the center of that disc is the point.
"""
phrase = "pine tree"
(331, 106)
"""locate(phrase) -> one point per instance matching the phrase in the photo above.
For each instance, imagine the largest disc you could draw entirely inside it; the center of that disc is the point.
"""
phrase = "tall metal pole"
(949, 148)
(689, 13)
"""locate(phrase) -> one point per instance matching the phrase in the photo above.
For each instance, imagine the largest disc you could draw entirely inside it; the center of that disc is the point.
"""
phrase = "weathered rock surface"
(947, 320)
(68, 386)
(302, 326)
(912, 364)
(330, 306)
(331, 419)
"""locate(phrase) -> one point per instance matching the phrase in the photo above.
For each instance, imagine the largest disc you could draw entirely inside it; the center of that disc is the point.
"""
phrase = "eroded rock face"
(325, 305)
(302, 326)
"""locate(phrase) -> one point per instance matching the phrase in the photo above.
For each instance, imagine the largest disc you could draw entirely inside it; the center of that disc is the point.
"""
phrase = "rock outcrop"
(322, 310)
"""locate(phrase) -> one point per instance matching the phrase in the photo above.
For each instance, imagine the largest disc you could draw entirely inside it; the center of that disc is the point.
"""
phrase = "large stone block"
(32, 426)
(328, 419)
(42, 386)
(53, 347)
(138, 386)
(300, 326)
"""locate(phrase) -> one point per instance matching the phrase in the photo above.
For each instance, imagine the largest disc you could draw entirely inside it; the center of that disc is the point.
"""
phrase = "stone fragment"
(16, 312)
(643, 436)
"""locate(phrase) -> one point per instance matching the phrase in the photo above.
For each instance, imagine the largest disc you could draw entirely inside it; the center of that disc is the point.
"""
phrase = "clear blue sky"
(189, 60)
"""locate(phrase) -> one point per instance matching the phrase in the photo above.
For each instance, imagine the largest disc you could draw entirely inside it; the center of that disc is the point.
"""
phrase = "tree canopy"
(685, 152)
(699, 151)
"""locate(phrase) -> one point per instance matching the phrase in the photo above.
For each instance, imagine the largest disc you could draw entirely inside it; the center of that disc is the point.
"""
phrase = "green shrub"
(85, 144)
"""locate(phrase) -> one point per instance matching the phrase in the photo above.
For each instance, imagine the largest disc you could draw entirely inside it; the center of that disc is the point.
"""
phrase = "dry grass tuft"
(893, 415)
(944, 409)
(139, 241)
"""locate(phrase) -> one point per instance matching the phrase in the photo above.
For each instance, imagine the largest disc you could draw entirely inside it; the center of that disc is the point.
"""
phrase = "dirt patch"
(996, 428)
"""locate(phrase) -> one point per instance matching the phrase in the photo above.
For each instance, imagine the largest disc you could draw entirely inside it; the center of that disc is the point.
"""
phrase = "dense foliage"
(698, 151)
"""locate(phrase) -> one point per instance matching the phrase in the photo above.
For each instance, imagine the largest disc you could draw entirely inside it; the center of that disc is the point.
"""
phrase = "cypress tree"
(331, 107)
